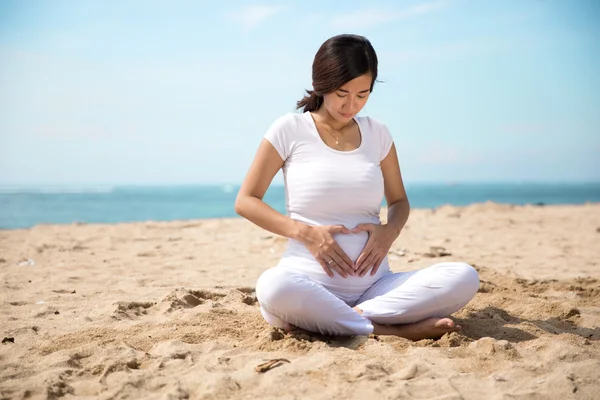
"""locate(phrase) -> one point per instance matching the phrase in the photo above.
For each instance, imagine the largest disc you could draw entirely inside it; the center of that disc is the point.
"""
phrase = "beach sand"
(167, 310)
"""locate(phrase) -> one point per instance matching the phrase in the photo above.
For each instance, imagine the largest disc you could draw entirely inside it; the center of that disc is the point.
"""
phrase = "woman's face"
(349, 99)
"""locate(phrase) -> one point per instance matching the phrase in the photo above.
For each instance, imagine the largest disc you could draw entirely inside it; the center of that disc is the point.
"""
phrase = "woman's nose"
(350, 104)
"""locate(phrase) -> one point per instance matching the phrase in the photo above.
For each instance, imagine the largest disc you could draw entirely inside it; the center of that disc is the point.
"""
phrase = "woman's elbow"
(238, 207)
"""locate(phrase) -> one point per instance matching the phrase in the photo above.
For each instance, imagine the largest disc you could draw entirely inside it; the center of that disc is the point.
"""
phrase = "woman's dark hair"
(339, 60)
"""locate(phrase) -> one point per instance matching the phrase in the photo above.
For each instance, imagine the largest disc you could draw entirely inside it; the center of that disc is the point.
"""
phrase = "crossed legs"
(414, 305)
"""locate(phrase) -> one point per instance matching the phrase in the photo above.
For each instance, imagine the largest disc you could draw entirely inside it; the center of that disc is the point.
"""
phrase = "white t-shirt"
(324, 186)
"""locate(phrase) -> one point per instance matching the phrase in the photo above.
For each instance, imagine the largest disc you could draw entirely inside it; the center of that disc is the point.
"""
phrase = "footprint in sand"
(131, 310)
(182, 299)
(207, 295)
(179, 299)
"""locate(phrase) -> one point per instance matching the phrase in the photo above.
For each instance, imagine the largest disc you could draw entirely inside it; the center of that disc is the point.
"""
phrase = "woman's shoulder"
(290, 118)
(288, 126)
(378, 130)
(288, 122)
(286, 132)
(371, 123)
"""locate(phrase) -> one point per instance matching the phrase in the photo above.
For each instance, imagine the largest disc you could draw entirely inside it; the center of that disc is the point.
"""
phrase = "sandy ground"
(168, 311)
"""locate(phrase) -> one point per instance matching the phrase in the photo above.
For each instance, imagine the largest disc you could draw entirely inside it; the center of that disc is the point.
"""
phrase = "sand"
(167, 310)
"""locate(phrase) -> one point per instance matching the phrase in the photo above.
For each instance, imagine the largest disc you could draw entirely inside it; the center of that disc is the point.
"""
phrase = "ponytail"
(310, 102)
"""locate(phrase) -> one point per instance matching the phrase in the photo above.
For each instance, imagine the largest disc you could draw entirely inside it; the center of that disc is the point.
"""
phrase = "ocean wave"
(227, 188)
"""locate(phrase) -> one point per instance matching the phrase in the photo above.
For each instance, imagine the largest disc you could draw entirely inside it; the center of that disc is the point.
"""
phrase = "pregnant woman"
(334, 276)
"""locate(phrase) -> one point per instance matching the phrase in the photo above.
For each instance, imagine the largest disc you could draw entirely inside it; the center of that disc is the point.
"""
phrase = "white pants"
(292, 296)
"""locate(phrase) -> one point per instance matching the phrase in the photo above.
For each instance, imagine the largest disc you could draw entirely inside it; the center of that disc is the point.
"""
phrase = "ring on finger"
(331, 261)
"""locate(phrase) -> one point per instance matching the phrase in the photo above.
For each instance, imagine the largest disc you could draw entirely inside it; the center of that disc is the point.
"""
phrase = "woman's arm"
(249, 202)
(395, 194)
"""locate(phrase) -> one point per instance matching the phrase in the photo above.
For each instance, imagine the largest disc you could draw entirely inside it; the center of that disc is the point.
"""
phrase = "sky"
(181, 92)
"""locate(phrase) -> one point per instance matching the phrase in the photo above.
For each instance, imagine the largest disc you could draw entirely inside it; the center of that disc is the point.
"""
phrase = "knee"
(467, 278)
(277, 288)
(460, 277)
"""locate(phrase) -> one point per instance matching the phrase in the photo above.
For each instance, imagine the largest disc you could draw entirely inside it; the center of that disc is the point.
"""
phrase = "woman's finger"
(344, 257)
(325, 267)
(334, 265)
(364, 227)
(339, 229)
(368, 264)
(342, 264)
(376, 267)
(364, 255)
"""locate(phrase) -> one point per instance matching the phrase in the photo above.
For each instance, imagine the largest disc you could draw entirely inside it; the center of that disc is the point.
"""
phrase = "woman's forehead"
(358, 84)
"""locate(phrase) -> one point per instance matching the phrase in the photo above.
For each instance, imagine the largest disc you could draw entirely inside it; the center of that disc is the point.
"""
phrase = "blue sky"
(148, 92)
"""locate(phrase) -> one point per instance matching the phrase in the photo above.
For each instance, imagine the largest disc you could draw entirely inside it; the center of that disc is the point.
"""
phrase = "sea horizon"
(24, 206)
(6, 188)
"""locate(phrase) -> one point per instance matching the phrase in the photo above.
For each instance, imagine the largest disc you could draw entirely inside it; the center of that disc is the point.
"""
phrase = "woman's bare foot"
(430, 328)
(288, 327)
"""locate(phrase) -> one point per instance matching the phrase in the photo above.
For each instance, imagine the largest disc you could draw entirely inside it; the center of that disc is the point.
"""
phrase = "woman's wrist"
(394, 231)
(300, 231)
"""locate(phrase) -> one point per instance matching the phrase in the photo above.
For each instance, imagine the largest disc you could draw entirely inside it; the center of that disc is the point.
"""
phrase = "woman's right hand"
(319, 241)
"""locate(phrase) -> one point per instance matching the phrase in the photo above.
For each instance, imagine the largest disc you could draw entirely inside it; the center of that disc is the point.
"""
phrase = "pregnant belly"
(348, 289)
(352, 244)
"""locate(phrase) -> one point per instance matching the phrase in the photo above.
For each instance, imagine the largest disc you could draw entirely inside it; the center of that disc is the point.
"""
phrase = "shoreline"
(382, 213)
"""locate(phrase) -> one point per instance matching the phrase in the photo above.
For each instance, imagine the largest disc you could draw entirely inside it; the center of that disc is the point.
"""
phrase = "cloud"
(252, 16)
(367, 18)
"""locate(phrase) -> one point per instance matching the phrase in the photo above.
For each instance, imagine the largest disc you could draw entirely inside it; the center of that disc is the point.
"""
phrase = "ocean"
(24, 207)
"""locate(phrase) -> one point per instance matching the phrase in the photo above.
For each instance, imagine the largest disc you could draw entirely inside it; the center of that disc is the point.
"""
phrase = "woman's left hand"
(380, 240)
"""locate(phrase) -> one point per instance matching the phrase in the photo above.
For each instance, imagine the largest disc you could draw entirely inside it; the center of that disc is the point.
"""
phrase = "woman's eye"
(345, 95)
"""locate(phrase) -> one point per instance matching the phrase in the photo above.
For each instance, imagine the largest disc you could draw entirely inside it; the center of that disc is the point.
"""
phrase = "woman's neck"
(327, 119)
